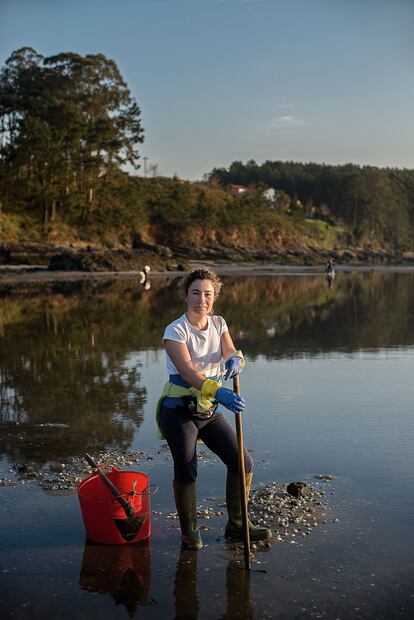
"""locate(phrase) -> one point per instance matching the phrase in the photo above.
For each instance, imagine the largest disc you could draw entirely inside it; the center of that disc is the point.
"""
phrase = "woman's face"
(200, 297)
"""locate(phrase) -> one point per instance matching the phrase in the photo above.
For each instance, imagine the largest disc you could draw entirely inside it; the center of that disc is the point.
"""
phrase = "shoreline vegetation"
(69, 127)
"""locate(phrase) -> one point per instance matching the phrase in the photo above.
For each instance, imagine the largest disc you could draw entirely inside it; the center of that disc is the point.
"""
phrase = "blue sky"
(222, 80)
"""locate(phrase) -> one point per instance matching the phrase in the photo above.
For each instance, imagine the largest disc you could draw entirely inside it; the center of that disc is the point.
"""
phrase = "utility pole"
(145, 166)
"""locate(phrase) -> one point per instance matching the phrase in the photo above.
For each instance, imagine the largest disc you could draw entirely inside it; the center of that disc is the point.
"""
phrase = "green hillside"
(69, 128)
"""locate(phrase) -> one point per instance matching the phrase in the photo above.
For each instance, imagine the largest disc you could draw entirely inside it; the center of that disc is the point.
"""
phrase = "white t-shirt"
(203, 344)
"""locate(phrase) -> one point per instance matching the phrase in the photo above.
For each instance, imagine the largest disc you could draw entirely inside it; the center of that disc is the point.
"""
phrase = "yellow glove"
(209, 388)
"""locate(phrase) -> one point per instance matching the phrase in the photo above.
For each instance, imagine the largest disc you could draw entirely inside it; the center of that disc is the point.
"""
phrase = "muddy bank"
(164, 258)
(87, 259)
(62, 266)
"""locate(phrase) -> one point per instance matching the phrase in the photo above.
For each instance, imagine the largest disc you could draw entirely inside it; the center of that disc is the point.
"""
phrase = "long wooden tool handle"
(242, 477)
(115, 492)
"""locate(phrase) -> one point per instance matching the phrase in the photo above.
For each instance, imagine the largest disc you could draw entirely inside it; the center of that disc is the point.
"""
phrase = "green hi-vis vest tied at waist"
(177, 391)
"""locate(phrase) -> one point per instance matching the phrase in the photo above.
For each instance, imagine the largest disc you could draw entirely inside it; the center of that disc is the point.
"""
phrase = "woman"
(195, 345)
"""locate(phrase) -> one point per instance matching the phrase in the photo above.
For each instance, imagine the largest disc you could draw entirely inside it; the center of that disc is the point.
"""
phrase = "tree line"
(374, 203)
(69, 126)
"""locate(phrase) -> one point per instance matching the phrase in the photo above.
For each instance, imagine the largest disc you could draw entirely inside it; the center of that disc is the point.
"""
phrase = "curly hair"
(201, 273)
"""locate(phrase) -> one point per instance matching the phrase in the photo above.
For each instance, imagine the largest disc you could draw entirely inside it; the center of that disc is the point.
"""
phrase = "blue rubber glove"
(234, 366)
(230, 400)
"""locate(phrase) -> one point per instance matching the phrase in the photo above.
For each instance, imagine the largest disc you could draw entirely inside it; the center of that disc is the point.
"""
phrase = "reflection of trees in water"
(292, 315)
(63, 360)
(64, 354)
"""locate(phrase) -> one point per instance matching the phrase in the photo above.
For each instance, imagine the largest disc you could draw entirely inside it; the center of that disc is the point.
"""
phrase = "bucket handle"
(146, 491)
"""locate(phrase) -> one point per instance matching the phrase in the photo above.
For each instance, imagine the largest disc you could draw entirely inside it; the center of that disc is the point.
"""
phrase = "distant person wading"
(196, 345)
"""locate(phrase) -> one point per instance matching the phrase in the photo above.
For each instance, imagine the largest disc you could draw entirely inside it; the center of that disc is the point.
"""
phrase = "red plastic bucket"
(100, 508)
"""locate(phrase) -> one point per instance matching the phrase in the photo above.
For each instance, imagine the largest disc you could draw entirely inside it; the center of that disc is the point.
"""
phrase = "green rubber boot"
(234, 527)
(185, 501)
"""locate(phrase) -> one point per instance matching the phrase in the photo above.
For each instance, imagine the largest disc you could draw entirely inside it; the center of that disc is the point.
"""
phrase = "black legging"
(181, 431)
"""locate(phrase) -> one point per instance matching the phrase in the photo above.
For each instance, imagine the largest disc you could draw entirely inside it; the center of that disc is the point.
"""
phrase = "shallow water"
(330, 391)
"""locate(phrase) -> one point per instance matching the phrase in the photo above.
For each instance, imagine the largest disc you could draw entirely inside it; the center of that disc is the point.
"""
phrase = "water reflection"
(64, 354)
(292, 316)
(65, 360)
(239, 598)
(238, 602)
(185, 586)
(330, 277)
(63, 369)
(123, 571)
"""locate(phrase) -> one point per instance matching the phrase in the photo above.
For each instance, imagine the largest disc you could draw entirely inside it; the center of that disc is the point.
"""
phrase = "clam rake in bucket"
(115, 505)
